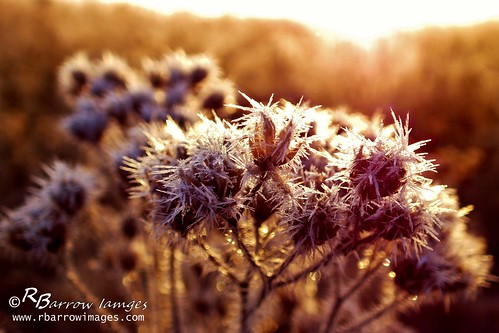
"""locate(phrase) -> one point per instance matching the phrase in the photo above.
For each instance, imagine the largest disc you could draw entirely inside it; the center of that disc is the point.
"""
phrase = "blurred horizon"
(360, 21)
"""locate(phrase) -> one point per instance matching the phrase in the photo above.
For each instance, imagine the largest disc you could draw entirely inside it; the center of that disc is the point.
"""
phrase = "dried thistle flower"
(215, 94)
(315, 218)
(385, 187)
(88, 123)
(112, 73)
(70, 188)
(457, 264)
(385, 166)
(74, 76)
(118, 106)
(317, 214)
(40, 225)
(156, 72)
(163, 145)
(205, 185)
(276, 136)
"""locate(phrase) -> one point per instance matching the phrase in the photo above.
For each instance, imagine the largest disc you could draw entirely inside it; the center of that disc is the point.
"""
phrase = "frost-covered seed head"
(70, 188)
(276, 136)
(377, 176)
(118, 106)
(383, 167)
(263, 206)
(392, 221)
(88, 123)
(40, 226)
(456, 264)
(74, 75)
(314, 219)
(112, 73)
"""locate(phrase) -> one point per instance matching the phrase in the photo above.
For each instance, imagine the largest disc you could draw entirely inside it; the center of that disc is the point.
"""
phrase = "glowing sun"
(362, 21)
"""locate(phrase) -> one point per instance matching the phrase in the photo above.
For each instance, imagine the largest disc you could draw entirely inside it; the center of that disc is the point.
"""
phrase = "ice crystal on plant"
(41, 224)
(302, 219)
(202, 187)
(384, 183)
(276, 135)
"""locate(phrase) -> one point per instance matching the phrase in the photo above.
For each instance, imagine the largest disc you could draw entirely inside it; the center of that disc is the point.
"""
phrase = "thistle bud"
(315, 230)
(391, 221)
(214, 101)
(69, 196)
(68, 188)
(262, 208)
(456, 264)
(315, 220)
(118, 107)
(197, 75)
(75, 75)
(87, 125)
(377, 176)
(262, 142)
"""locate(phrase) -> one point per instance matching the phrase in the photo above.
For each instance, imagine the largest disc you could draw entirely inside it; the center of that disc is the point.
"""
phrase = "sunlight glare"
(362, 21)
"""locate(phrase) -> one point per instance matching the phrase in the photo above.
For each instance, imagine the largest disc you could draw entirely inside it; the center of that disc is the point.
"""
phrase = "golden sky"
(360, 20)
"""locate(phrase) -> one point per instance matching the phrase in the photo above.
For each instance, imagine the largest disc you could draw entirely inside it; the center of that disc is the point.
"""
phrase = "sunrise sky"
(360, 20)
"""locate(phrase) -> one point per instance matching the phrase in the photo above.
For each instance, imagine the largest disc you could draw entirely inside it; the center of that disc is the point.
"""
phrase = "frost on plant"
(264, 216)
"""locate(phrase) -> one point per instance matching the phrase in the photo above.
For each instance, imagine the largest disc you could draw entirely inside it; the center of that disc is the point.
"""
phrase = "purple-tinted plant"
(289, 218)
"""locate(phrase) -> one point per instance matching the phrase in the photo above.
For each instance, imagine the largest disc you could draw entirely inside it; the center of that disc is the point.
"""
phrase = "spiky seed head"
(74, 75)
(88, 123)
(263, 206)
(70, 188)
(314, 218)
(456, 265)
(377, 176)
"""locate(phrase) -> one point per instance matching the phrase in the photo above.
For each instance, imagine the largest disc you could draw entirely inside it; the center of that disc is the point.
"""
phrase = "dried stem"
(245, 250)
(72, 276)
(287, 262)
(221, 266)
(340, 299)
(173, 293)
(264, 292)
(297, 277)
(243, 294)
(375, 315)
(324, 261)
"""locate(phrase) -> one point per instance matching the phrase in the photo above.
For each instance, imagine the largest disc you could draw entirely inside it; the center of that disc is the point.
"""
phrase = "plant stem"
(333, 316)
(245, 250)
(243, 294)
(72, 276)
(324, 261)
(287, 262)
(376, 315)
(173, 294)
(340, 299)
(221, 266)
(321, 263)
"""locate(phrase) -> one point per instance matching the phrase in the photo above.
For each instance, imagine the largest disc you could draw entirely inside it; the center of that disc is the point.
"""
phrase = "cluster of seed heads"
(271, 197)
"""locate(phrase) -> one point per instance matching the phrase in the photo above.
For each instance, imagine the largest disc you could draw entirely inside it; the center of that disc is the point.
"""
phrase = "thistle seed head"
(74, 76)
(456, 265)
(88, 123)
(276, 136)
(70, 188)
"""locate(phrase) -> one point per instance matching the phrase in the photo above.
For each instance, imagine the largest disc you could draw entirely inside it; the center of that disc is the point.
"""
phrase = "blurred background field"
(447, 78)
